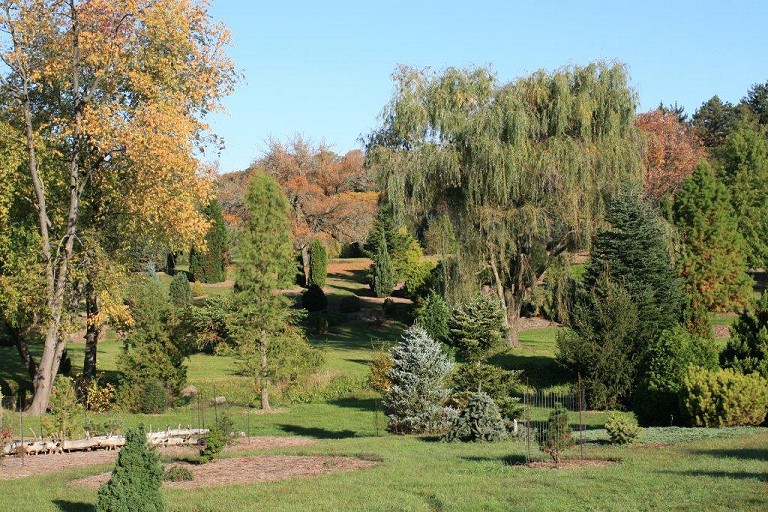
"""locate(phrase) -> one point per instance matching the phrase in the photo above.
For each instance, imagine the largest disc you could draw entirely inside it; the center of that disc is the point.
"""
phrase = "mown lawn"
(677, 469)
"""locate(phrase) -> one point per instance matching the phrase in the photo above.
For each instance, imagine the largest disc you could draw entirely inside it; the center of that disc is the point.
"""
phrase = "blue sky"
(322, 68)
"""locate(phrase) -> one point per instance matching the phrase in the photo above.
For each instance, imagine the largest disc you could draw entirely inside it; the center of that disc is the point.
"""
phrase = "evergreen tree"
(383, 275)
(713, 263)
(747, 349)
(136, 479)
(477, 327)
(559, 436)
(261, 316)
(179, 291)
(634, 253)
(318, 264)
(714, 120)
(433, 316)
(479, 421)
(664, 368)
(743, 158)
(208, 266)
(414, 402)
(602, 344)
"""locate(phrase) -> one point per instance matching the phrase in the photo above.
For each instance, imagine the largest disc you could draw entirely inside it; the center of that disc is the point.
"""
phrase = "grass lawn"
(676, 469)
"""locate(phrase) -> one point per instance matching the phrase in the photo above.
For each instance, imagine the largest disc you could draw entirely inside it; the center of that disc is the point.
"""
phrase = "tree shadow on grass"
(74, 506)
(759, 454)
(538, 371)
(361, 404)
(507, 460)
(316, 432)
(736, 475)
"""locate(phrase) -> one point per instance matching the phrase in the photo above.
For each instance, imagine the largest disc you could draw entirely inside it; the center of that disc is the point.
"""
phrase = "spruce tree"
(433, 316)
(743, 160)
(414, 402)
(479, 421)
(713, 263)
(747, 349)
(318, 264)
(261, 315)
(383, 275)
(634, 253)
(179, 291)
(477, 327)
(208, 266)
(136, 479)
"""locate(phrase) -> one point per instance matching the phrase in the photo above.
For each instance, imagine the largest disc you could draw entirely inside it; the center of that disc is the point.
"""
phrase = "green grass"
(696, 469)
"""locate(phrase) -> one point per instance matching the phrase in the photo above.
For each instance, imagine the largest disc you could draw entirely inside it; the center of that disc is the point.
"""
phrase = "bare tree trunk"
(513, 307)
(264, 375)
(56, 268)
(305, 263)
(92, 332)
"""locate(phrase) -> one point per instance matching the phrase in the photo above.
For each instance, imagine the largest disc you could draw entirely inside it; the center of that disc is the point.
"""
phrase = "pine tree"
(747, 349)
(179, 291)
(414, 402)
(433, 316)
(208, 266)
(713, 263)
(477, 327)
(743, 160)
(260, 315)
(383, 275)
(318, 264)
(634, 253)
(559, 436)
(136, 479)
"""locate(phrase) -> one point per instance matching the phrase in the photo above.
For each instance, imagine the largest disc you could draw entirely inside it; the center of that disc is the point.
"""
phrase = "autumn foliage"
(671, 153)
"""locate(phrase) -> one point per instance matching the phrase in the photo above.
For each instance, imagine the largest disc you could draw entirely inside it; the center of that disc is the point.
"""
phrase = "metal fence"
(541, 433)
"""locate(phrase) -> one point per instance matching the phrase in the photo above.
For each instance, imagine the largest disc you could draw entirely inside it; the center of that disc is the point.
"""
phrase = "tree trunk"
(264, 375)
(92, 332)
(513, 307)
(305, 263)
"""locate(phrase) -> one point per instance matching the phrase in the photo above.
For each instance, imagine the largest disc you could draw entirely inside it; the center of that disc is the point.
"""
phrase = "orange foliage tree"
(330, 195)
(671, 153)
(110, 97)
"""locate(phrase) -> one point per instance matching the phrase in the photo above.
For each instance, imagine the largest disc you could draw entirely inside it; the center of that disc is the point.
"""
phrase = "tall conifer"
(713, 263)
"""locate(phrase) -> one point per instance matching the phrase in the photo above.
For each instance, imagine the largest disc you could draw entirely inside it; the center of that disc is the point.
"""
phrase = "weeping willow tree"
(518, 173)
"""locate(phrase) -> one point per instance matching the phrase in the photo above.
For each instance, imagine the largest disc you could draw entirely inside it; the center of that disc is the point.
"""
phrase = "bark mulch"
(245, 470)
(32, 465)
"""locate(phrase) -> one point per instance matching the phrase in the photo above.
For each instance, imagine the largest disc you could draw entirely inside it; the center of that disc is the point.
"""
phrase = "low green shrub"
(153, 398)
(498, 383)
(479, 421)
(178, 474)
(389, 306)
(314, 299)
(622, 430)
(724, 397)
(213, 444)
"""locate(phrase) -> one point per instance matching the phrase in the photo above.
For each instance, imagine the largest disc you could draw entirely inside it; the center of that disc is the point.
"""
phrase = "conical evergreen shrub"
(480, 421)
(559, 436)
(383, 274)
(136, 479)
(318, 264)
(179, 292)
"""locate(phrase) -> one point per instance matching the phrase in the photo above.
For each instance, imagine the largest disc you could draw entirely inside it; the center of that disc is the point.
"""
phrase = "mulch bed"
(15, 467)
(570, 464)
(244, 470)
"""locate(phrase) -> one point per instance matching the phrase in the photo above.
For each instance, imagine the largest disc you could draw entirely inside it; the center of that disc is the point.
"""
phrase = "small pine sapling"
(559, 436)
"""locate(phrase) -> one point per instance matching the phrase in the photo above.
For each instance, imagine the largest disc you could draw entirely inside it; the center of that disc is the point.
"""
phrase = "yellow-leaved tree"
(110, 96)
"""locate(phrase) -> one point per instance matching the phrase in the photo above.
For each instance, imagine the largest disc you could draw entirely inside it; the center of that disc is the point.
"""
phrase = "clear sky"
(322, 68)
